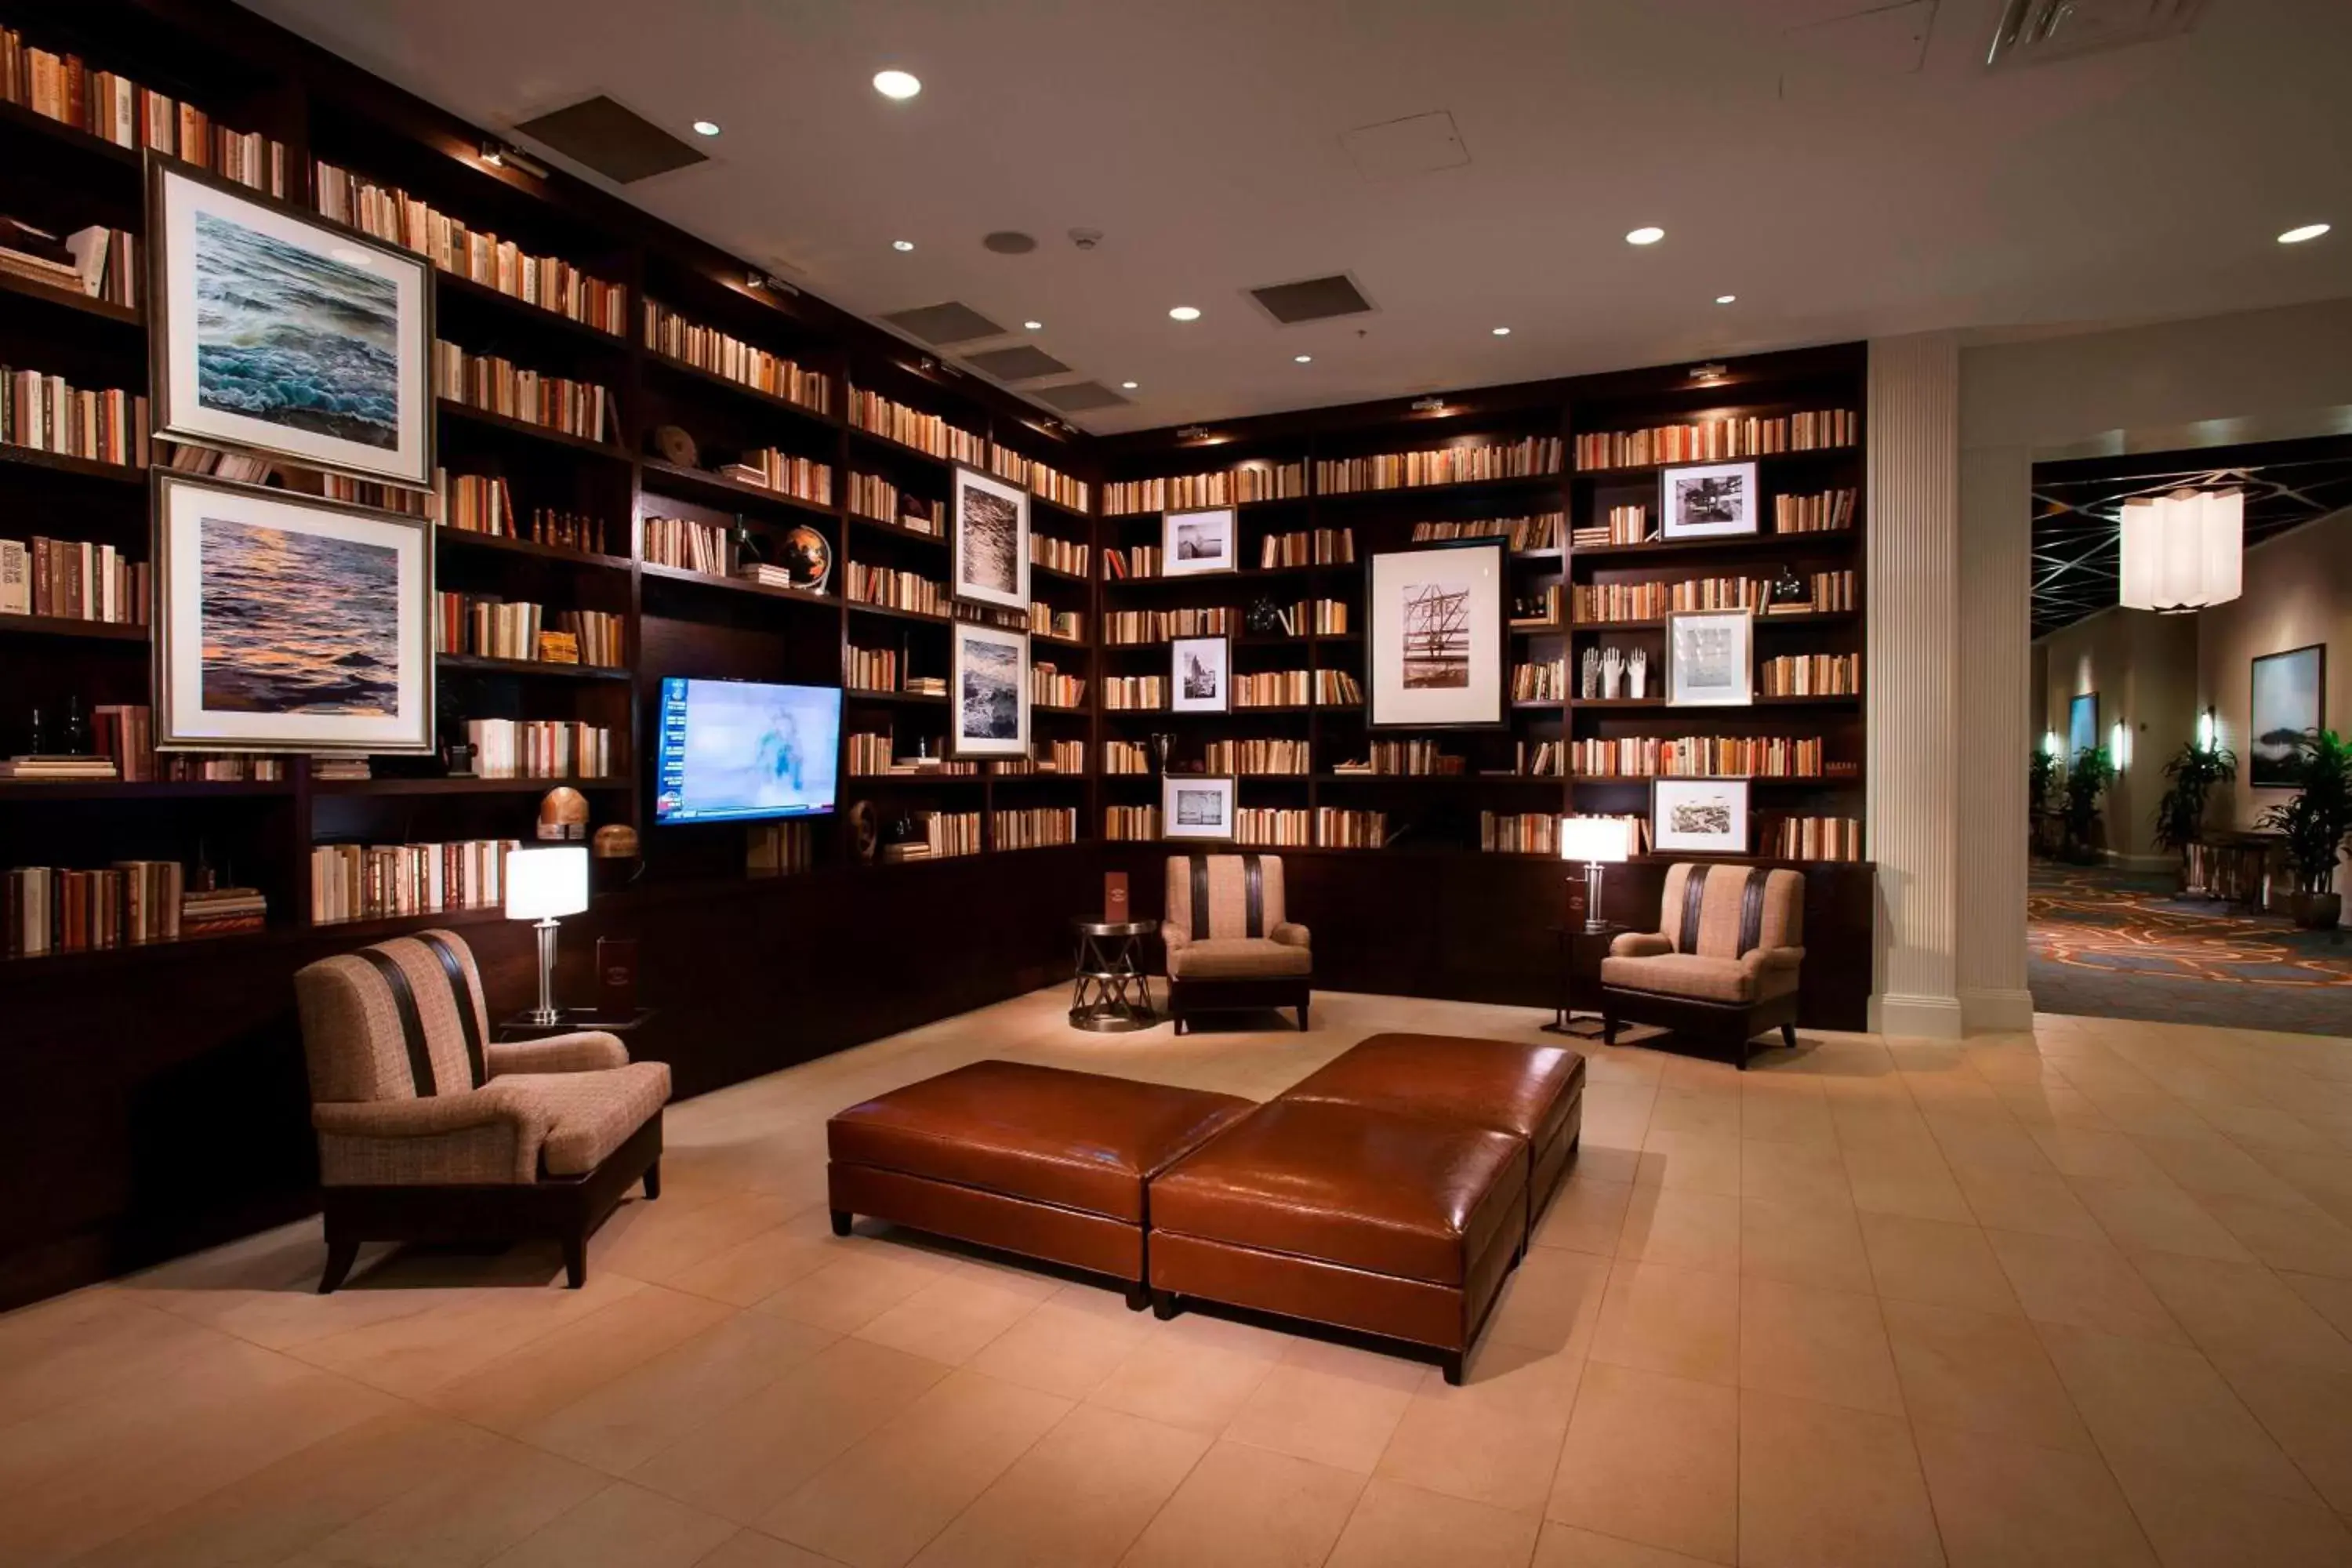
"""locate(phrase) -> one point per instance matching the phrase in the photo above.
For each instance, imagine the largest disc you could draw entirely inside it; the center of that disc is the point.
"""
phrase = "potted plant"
(2190, 778)
(2315, 824)
(2086, 780)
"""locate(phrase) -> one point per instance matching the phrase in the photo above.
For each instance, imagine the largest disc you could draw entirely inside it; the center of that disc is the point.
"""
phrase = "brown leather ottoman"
(1398, 1226)
(1536, 1092)
(1034, 1160)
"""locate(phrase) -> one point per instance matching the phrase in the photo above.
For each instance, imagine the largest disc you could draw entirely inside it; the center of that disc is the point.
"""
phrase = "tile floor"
(2076, 1297)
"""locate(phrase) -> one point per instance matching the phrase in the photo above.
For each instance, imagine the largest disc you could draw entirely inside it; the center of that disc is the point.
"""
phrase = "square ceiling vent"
(949, 321)
(618, 143)
(1020, 363)
(2031, 31)
(1312, 299)
(1078, 396)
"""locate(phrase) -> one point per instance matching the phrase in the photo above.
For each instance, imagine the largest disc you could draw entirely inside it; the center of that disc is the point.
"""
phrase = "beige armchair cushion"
(590, 1114)
(1638, 944)
(1710, 915)
(585, 1051)
(1729, 980)
(1239, 958)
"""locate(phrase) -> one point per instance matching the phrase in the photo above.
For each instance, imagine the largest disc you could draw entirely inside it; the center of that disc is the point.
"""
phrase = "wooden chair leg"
(841, 1218)
(576, 1259)
(653, 1180)
(340, 1255)
(1451, 1362)
(1302, 1019)
(1788, 1036)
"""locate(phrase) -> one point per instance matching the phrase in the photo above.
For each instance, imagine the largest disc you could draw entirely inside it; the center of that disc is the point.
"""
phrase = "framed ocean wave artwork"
(289, 624)
(276, 332)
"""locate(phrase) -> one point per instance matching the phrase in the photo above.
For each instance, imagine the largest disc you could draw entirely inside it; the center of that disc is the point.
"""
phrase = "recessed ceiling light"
(1502, 332)
(1185, 313)
(1302, 359)
(902, 244)
(1033, 326)
(896, 84)
(1127, 386)
(1646, 234)
(1725, 298)
(2308, 231)
(706, 127)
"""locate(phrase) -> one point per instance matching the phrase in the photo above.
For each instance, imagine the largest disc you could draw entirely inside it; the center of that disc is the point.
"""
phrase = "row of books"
(1533, 608)
(1698, 756)
(1412, 759)
(1518, 833)
(1127, 626)
(872, 752)
(945, 834)
(97, 262)
(869, 668)
(1131, 823)
(1824, 513)
(894, 421)
(1524, 459)
(62, 88)
(380, 881)
(1122, 692)
(1256, 758)
(498, 386)
(1049, 687)
(1056, 757)
(1810, 675)
(1140, 561)
(1126, 757)
(1046, 621)
(1183, 493)
(804, 478)
(1818, 838)
(1594, 603)
(1033, 827)
(1336, 828)
(779, 848)
(1058, 554)
(870, 495)
(1296, 689)
(1623, 525)
(477, 256)
(123, 734)
(1539, 532)
(1540, 682)
(48, 909)
(1715, 440)
(1038, 477)
(539, 749)
(1539, 759)
(493, 627)
(690, 545)
(1280, 827)
(897, 590)
(1316, 618)
(72, 580)
(1309, 547)
(48, 414)
(731, 358)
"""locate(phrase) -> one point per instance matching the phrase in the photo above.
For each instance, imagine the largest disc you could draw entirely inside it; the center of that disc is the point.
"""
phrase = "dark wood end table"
(570, 1020)
(1582, 949)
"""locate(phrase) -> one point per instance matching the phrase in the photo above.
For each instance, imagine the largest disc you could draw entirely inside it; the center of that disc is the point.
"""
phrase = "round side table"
(1111, 994)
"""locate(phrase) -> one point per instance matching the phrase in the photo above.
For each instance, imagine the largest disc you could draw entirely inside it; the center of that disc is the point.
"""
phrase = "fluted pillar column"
(1996, 707)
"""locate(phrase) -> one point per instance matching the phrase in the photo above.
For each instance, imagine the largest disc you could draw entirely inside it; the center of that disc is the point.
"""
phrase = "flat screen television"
(741, 750)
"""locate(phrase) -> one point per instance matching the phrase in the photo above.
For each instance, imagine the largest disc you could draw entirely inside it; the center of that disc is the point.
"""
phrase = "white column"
(1911, 675)
(1995, 732)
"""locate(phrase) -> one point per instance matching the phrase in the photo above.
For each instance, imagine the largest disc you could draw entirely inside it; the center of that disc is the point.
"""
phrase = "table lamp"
(1598, 842)
(543, 885)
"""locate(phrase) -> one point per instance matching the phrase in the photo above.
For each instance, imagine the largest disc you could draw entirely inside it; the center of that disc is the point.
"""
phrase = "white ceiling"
(1837, 193)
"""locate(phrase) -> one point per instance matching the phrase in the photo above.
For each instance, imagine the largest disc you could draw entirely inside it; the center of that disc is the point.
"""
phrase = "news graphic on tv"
(738, 750)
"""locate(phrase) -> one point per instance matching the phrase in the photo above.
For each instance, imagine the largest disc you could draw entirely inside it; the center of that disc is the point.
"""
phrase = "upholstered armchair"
(1229, 945)
(1723, 964)
(430, 1130)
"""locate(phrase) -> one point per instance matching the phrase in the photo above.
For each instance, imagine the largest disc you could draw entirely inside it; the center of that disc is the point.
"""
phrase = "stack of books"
(58, 769)
(216, 911)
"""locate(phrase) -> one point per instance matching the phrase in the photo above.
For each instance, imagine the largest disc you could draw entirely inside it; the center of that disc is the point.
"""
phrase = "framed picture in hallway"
(2082, 725)
(1699, 817)
(2290, 696)
(1707, 501)
(989, 541)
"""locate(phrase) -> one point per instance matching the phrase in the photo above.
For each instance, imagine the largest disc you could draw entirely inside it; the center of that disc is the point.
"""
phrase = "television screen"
(733, 751)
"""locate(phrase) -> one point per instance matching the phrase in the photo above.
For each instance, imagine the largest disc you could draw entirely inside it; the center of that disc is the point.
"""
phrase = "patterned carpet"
(2119, 944)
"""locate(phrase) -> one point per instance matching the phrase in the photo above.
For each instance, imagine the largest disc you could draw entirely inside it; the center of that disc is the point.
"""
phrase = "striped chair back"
(402, 1020)
(1216, 896)
(1727, 911)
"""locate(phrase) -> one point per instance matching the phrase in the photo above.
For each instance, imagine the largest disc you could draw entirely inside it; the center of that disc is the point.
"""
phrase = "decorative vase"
(2317, 911)
(1161, 744)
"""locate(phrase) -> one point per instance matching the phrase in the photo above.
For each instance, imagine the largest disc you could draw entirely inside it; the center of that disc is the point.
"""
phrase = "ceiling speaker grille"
(950, 322)
(1020, 363)
(618, 143)
(1314, 300)
(1078, 396)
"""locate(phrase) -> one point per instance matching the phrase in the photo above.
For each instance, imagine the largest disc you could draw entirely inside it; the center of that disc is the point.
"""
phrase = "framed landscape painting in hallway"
(2290, 696)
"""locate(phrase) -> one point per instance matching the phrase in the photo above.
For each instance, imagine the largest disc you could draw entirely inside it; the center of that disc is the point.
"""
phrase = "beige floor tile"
(1682, 1227)
(1936, 1262)
(1908, 1179)
(2086, 1284)
(2197, 1523)
(1653, 1460)
(1788, 1118)
(881, 1502)
(1063, 1347)
(1585, 1215)
(2152, 1115)
(1341, 1421)
(461, 1333)
(78, 1346)
(1551, 1303)
(2100, 1156)
(1809, 1174)
(2307, 1412)
(622, 1527)
(752, 1454)
(2255, 1128)
(1824, 1487)
(1400, 1526)
(1804, 1244)
(2298, 1237)
(1983, 1373)
(755, 1268)
(1168, 1380)
(846, 1295)
(2038, 1203)
(504, 1494)
(526, 1385)
(1250, 1509)
(2158, 1216)
(1713, 1111)
(1692, 1162)
(749, 1549)
(2241, 1308)
(2212, 1166)
(658, 1243)
(1824, 1345)
(1981, 1138)
(2002, 1505)
(1079, 1497)
(1495, 1439)
(2163, 1411)
(952, 1319)
(1566, 1546)
(2331, 1298)
(1681, 1322)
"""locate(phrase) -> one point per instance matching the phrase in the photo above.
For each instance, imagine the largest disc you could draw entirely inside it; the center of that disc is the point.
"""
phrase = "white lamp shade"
(1607, 839)
(2185, 550)
(544, 884)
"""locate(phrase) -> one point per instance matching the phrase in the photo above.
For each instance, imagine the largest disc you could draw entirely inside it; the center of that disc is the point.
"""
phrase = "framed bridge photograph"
(1438, 629)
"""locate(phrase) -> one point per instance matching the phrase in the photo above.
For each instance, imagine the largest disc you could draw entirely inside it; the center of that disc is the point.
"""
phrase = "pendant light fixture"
(2183, 552)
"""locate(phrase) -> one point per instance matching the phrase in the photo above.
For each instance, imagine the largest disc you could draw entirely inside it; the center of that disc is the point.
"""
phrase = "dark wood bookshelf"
(66, 463)
(699, 484)
(663, 365)
(462, 540)
(24, 791)
(449, 285)
(73, 300)
(735, 585)
(388, 786)
(70, 626)
(467, 413)
(540, 669)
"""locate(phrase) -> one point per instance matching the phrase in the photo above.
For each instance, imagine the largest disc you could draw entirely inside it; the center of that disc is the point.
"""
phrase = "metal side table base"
(1111, 994)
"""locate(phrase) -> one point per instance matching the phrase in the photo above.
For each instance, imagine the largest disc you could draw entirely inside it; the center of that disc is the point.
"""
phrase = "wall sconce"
(1431, 404)
(2048, 742)
(499, 155)
(2208, 730)
(2120, 745)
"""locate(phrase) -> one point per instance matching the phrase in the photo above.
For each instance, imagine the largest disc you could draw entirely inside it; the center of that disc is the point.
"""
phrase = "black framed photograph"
(987, 682)
(2290, 698)
(1707, 501)
(1200, 675)
(1193, 543)
(1438, 635)
(274, 331)
(1196, 805)
(989, 539)
(284, 622)
(1698, 816)
(1710, 658)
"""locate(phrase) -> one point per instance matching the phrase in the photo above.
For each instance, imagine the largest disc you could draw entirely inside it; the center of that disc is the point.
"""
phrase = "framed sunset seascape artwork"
(289, 623)
(278, 333)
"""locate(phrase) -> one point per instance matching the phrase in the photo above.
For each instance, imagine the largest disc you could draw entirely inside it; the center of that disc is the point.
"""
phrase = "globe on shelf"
(808, 556)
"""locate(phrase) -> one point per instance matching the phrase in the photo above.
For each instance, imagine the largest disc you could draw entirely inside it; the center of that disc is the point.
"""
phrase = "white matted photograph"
(1437, 636)
(1698, 816)
(289, 623)
(1196, 543)
(1199, 678)
(987, 682)
(282, 334)
(1707, 501)
(1195, 805)
(989, 533)
(1710, 658)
